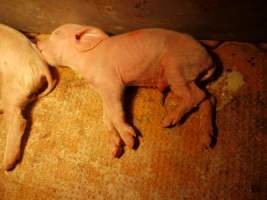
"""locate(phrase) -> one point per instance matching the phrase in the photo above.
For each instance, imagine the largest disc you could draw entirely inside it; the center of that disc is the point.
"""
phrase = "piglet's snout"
(40, 45)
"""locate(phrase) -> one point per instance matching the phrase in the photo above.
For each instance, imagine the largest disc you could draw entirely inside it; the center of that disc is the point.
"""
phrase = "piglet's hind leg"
(190, 96)
(16, 125)
(206, 108)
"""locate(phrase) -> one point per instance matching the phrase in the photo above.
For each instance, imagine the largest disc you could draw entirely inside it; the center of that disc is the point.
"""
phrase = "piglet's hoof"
(117, 151)
(9, 164)
(206, 140)
(128, 139)
(128, 136)
(117, 145)
(169, 121)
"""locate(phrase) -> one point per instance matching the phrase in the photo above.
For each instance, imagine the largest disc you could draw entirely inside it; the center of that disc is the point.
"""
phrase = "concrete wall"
(205, 19)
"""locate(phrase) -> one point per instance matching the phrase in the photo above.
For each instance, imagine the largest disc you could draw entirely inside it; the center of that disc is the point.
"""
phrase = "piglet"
(148, 57)
(23, 75)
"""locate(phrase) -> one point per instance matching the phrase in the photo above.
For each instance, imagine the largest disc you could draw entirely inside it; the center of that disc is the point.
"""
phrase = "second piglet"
(149, 57)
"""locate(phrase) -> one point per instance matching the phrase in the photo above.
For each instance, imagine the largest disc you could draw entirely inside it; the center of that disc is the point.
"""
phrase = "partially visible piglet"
(23, 74)
(149, 57)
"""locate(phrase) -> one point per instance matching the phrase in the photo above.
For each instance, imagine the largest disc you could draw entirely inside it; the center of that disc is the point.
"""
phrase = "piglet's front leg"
(114, 117)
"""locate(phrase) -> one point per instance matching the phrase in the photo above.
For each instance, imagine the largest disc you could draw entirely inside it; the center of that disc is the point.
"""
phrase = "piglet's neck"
(78, 61)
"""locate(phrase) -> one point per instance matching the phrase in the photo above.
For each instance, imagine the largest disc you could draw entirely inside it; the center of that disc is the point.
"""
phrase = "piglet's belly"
(144, 83)
(151, 76)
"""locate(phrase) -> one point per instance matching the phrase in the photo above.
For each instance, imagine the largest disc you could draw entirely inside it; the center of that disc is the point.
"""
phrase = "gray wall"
(205, 19)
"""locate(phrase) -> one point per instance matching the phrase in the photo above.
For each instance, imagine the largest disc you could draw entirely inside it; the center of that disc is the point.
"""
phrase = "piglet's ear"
(87, 38)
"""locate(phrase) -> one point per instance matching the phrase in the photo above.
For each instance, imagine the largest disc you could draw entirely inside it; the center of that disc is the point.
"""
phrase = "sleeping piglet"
(23, 74)
(148, 57)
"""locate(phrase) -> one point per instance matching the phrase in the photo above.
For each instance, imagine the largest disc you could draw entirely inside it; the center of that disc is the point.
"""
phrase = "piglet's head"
(69, 41)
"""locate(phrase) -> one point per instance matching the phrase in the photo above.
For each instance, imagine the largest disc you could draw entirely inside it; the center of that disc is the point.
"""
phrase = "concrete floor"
(67, 155)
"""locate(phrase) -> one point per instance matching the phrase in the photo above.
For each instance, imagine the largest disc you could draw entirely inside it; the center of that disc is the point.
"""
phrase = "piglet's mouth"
(39, 44)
